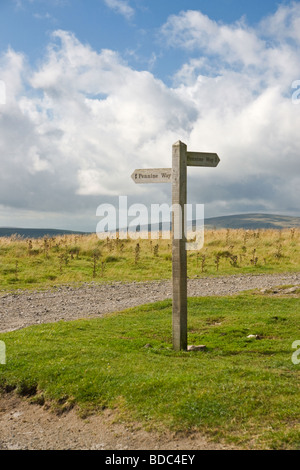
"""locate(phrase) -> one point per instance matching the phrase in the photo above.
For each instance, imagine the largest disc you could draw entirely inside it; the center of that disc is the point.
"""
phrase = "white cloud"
(74, 129)
(38, 164)
(121, 6)
(21, 4)
(240, 81)
(80, 125)
(194, 30)
(284, 24)
(44, 16)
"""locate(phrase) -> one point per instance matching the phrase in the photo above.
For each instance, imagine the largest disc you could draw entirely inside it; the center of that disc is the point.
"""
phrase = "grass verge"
(243, 390)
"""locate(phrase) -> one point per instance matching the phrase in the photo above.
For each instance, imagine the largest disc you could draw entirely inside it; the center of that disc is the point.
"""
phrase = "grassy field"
(245, 391)
(72, 259)
(242, 390)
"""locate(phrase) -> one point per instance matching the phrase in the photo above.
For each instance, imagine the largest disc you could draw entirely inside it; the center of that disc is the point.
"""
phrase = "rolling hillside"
(241, 221)
(35, 232)
(253, 221)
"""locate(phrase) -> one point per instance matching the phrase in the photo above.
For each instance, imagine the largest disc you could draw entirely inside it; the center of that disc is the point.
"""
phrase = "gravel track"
(24, 308)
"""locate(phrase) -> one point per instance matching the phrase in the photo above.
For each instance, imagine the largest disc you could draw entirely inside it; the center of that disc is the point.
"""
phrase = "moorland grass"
(245, 391)
(71, 259)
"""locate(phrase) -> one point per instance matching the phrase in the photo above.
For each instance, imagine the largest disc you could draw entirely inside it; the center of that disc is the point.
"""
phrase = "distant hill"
(241, 221)
(35, 232)
(253, 221)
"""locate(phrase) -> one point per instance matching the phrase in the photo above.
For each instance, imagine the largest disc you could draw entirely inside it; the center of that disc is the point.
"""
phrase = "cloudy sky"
(97, 88)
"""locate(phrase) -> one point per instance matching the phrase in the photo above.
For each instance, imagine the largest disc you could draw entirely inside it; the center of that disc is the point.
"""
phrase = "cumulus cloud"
(121, 6)
(240, 80)
(74, 128)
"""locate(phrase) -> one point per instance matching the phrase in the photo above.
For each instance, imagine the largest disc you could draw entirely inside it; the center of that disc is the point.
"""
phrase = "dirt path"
(33, 427)
(22, 309)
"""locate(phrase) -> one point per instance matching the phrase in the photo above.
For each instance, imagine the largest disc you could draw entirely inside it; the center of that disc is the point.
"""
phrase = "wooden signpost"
(177, 175)
(154, 175)
(202, 159)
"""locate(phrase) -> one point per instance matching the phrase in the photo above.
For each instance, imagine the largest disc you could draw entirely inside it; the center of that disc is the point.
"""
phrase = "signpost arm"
(179, 256)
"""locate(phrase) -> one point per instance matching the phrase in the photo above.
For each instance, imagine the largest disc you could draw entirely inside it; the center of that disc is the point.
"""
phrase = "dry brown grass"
(80, 258)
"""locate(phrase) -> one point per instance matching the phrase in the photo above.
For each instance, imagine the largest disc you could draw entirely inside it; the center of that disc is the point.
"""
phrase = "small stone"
(201, 347)
(148, 346)
(291, 290)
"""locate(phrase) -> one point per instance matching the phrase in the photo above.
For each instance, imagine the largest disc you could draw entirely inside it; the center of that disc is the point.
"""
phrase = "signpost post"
(179, 258)
(177, 175)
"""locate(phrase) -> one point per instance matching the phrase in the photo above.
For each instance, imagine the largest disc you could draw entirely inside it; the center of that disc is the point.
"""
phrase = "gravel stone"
(20, 309)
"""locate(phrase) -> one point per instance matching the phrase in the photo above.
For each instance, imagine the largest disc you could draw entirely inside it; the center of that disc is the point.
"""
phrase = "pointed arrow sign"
(202, 159)
(152, 175)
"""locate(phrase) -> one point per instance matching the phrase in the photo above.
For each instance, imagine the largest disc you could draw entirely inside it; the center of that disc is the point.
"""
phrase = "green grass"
(70, 259)
(241, 390)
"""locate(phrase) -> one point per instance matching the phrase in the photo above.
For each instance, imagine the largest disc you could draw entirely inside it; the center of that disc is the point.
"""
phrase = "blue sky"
(134, 32)
(97, 88)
